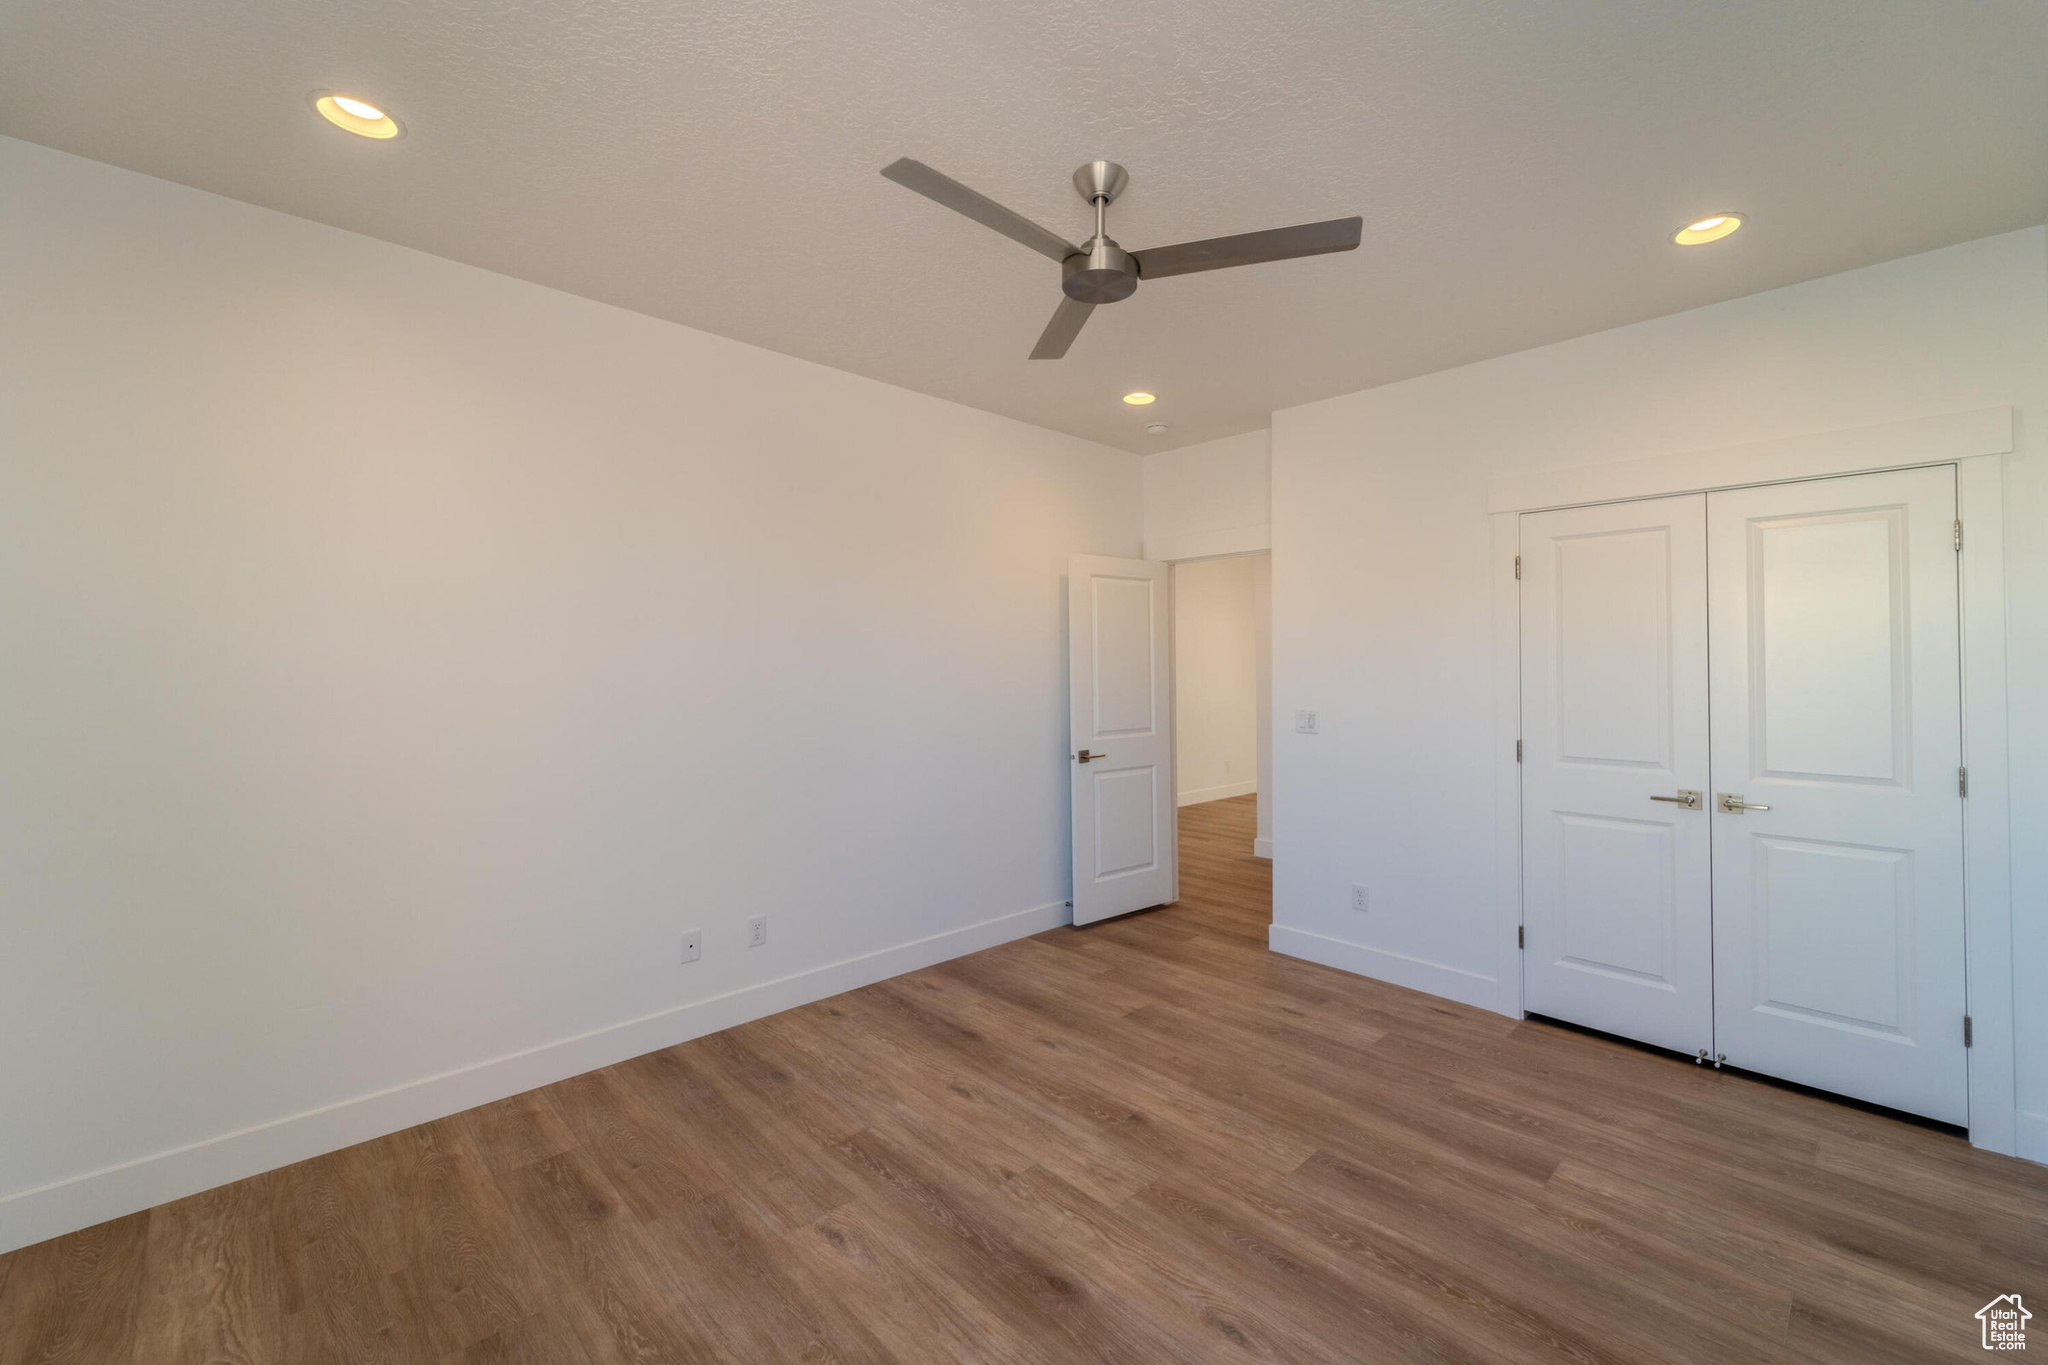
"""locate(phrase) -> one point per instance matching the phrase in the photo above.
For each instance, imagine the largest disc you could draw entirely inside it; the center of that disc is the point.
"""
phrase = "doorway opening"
(1223, 721)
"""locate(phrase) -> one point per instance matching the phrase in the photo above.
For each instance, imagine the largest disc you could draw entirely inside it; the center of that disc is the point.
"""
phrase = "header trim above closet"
(1942, 439)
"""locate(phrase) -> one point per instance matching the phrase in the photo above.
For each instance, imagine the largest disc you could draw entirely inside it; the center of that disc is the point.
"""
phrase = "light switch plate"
(1305, 723)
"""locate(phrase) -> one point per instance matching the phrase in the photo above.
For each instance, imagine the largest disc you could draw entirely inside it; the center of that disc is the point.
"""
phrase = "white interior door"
(1616, 891)
(1121, 756)
(1838, 893)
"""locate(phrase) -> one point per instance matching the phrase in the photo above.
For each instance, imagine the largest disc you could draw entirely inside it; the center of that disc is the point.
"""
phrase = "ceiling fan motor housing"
(1102, 272)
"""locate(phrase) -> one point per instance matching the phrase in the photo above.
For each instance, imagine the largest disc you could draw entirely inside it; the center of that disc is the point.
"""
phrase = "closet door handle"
(1686, 797)
(1733, 804)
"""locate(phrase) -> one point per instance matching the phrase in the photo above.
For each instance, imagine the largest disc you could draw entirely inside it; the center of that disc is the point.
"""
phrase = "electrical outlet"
(1358, 898)
(693, 944)
(1305, 723)
(757, 931)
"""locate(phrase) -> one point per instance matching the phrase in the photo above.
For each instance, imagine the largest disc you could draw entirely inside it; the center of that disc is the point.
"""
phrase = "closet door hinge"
(1967, 1042)
(1959, 537)
(1518, 751)
(1518, 559)
(1962, 782)
(1521, 937)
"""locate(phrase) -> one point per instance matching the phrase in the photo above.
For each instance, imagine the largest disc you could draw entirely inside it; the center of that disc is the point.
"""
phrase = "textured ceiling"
(1518, 165)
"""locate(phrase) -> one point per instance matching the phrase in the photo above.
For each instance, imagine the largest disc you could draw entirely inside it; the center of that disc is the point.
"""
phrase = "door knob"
(1085, 756)
(1733, 804)
(1686, 797)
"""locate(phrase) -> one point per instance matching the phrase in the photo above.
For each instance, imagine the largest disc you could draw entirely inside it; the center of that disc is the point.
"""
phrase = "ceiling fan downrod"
(1102, 271)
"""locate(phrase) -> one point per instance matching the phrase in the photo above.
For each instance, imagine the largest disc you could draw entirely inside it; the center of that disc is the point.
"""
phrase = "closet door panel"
(1614, 728)
(1838, 906)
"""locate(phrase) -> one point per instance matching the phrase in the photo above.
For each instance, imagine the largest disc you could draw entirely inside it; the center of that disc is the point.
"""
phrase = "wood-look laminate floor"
(1150, 1140)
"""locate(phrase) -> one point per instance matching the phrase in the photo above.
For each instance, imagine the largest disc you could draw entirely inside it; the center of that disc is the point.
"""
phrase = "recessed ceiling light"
(357, 116)
(1709, 229)
(1140, 398)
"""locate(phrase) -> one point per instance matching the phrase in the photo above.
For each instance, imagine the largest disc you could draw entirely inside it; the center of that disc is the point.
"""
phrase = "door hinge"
(1518, 566)
(1518, 751)
(1967, 1041)
(1521, 936)
(1959, 537)
(1962, 782)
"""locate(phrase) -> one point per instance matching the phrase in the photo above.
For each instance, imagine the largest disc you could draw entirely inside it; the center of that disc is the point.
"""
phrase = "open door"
(1121, 731)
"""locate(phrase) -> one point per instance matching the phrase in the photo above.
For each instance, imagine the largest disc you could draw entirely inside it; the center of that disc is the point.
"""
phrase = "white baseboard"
(1222, 793)
(81, 1201)
(2032, 1136)
(1262, 848)
(1432, 978)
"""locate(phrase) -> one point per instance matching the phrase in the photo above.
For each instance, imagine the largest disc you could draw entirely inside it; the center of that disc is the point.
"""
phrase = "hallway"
(1224, 890)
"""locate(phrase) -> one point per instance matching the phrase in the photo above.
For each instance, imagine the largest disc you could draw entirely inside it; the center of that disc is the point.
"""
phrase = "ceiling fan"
(1100, 271)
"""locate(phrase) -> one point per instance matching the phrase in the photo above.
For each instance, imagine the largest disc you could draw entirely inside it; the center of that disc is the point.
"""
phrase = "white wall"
(398, 658)
(1382, 584)
(1209, 499)
(1215, 679)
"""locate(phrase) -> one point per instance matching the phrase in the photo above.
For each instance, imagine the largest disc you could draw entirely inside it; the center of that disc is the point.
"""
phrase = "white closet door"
(1616, 896)
(1838, 911)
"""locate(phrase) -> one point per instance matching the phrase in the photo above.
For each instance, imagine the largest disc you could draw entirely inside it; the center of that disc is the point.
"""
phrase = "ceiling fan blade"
(1061, 331)
(1250, 248)
(943, 189)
